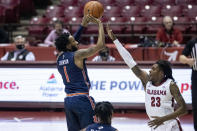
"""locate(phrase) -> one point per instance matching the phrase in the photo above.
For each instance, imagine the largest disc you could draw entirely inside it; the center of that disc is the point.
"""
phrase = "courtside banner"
(114, 85)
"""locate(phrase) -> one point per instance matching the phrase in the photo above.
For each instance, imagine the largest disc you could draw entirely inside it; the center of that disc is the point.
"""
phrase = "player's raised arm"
(142, 75)
(84, 53)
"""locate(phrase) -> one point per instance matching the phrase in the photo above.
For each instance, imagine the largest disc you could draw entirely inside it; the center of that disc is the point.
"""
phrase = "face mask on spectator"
(20, 47)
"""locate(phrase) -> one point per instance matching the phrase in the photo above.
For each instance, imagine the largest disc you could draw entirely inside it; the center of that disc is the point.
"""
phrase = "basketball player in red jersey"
(160, 91)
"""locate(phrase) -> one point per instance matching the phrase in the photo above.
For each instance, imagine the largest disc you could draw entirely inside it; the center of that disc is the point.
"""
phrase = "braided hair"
(62, 41)
(104, 111)
(165, 66)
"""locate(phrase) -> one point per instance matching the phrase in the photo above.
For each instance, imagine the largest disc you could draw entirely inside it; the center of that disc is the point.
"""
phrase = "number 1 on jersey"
(66, 74)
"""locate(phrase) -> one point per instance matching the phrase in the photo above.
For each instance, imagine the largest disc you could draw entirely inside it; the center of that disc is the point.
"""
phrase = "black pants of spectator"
(194, 97)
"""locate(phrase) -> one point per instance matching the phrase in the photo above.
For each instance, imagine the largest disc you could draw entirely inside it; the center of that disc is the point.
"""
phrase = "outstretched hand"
(85, 20)
(89, 18)
(110, 33)
(156, 122)
(94, 20)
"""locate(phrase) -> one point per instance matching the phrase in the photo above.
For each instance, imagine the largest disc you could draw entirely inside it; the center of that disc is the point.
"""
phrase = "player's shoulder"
(173, 83)
(91, 126)
(173, 87)
(59, 55)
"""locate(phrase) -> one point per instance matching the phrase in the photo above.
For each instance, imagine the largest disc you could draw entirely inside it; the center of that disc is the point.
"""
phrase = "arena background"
(31, 93)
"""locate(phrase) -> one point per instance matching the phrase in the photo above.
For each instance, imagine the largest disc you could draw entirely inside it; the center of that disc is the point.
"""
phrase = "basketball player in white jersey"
(160, 91)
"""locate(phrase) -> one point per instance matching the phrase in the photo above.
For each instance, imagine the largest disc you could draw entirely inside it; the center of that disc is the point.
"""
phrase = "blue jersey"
(100, 127)
(75, 79)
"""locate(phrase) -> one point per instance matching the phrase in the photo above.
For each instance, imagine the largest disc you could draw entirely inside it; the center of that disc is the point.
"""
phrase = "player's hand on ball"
(94, 20)
(85, 20)
(110, 33)
(156, 122)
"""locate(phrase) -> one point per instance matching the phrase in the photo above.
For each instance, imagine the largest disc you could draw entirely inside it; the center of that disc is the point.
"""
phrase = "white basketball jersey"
(158, 99)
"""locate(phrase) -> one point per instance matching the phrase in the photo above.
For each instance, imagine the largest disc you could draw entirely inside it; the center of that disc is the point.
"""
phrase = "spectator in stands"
(20, 53)
(103, 56)
(104, 113)
(3, 36)
(168, 34)
(58, 25)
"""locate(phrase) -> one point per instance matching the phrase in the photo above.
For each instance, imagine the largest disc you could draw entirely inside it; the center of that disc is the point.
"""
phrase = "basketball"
(94, 8)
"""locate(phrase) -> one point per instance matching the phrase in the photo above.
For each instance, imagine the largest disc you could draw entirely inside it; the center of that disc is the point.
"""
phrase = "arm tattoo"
(143, 76)
(137, 71)
(176, 94)
(179, 99)
(84, 53)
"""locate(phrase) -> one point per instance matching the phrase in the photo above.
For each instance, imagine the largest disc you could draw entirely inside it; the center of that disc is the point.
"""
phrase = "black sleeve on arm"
(188, 48)
(78, 33)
